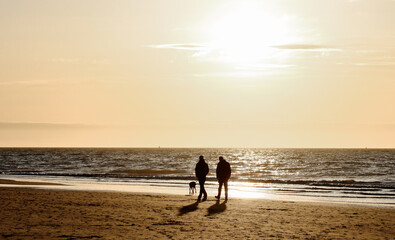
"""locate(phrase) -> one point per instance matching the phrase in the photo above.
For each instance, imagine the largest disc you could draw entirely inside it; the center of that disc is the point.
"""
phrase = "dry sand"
(52, 214)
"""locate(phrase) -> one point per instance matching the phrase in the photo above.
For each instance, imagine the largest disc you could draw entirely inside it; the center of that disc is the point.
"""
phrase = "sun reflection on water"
(246, 190)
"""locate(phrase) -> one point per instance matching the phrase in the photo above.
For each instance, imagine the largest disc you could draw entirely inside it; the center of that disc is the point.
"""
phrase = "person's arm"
(196, 170)
(229, 171)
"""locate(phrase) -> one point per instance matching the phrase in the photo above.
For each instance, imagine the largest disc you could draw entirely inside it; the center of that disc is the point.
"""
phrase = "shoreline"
(17, 182)
(168, 189)
(56, 214)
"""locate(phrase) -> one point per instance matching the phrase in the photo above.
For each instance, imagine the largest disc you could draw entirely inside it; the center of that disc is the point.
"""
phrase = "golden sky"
(207, 73)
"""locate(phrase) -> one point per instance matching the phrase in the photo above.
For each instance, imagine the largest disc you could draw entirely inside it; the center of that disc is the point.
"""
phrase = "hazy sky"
(280, 73)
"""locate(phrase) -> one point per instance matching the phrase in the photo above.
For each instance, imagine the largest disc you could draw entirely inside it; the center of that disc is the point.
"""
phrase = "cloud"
(38, 83)
(183, 46)
(45, 126)
(214, 53)
(206, 47)
(263, 67)
(248, 61)
(306, 47)
(25, 83)
(65, 60)
(355, 1)
(375, 64)
(240, 74)
(364, 51)
(232, 74)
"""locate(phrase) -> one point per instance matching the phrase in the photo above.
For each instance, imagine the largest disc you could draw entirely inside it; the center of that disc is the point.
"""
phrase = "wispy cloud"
(368, 51)
(101, 61)
(354, 1)
(203, 49)
(263, 67)
(183, 46)
(374, 64)
(249, 61)
(34, 83)
(307, 47)
(65, 60)
(230, 74)
(25, 83)
(43, 126)
(238, 73)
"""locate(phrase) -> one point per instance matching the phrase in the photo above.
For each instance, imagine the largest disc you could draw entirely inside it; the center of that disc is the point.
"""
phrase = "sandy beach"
(27, 213)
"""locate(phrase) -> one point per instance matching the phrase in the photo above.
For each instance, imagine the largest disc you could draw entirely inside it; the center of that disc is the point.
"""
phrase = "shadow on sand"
(217, 208)
(188, 208)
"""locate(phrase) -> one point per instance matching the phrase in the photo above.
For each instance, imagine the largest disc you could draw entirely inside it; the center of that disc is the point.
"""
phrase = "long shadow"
(217, 208)
(188, 208)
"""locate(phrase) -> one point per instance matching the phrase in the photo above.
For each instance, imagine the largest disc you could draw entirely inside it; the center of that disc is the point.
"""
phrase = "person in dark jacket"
(201, 171)
(223, 175)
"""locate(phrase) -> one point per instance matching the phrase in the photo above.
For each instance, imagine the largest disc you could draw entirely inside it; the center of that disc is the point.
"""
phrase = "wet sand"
(52, 214)
(15, 182)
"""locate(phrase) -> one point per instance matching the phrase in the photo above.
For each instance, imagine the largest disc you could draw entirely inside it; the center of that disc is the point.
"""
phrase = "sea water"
(364, 176)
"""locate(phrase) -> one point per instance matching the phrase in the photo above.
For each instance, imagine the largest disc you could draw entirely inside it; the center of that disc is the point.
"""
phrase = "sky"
(207, 73)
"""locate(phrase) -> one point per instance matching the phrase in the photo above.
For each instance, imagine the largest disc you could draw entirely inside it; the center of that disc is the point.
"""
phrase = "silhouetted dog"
(192, 187)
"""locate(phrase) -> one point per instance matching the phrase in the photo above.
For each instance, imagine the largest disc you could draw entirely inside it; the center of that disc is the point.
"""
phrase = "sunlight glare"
(246, 190)
(246, 34)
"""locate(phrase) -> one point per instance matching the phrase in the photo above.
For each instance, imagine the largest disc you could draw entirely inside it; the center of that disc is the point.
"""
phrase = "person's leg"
(204, 190)
(201, 188)
(219, 190)
(226, 190)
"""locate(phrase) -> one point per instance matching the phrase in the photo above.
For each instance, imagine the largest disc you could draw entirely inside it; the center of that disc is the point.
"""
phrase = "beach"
(28, 213)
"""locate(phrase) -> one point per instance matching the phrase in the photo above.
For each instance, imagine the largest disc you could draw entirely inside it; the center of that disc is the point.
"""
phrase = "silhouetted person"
(201, 171)
(223, 175)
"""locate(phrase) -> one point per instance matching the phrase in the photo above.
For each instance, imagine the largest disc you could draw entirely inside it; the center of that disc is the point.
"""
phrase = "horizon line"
(180, 147)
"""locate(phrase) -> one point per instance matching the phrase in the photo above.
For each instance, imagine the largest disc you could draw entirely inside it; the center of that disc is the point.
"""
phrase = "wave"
(148, 174)
(328, 183)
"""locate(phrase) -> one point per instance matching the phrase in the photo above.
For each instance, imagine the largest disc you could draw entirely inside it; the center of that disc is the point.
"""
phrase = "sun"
(246, 34)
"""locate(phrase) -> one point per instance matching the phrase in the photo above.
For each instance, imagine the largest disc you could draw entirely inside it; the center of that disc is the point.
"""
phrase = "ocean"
(364, 176)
